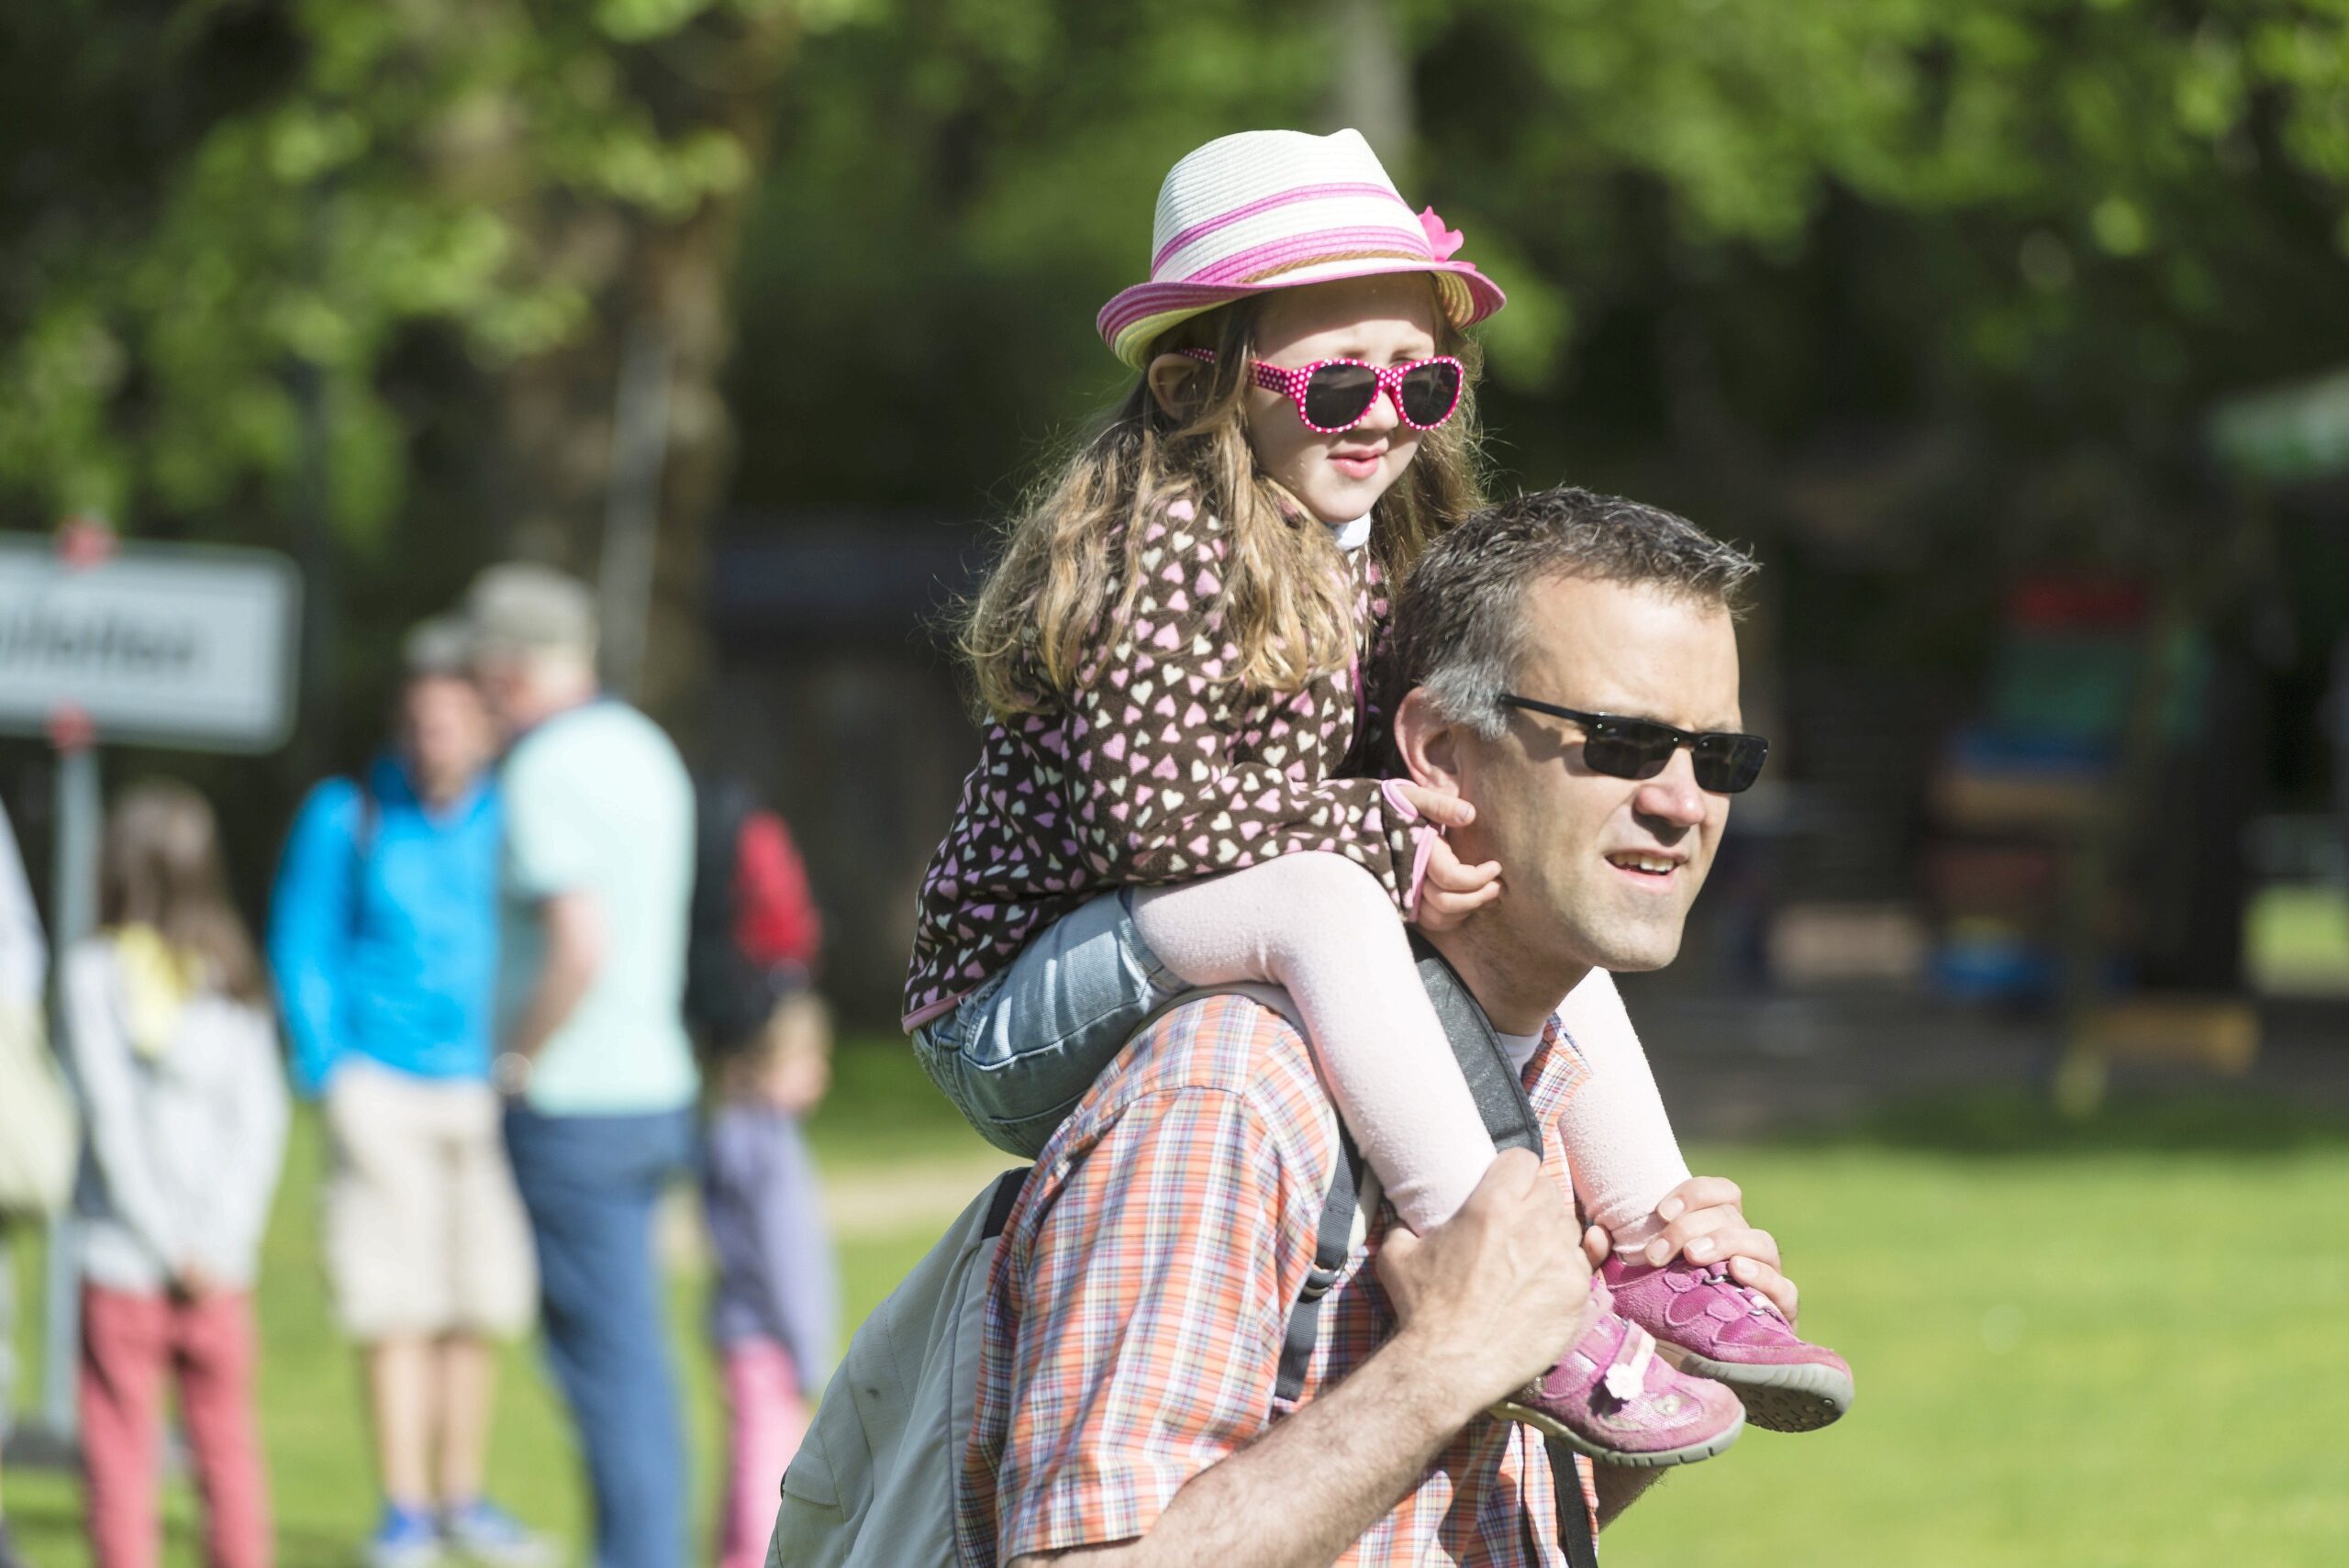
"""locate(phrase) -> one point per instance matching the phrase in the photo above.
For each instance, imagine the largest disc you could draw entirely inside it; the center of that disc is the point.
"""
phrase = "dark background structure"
(2009, 336)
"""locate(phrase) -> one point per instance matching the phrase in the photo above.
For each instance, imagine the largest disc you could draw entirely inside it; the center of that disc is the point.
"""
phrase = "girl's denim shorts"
(1016, 1054)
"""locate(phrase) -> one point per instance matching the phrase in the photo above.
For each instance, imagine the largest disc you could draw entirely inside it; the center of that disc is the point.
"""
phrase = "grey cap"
(436, 648)
(524, 608)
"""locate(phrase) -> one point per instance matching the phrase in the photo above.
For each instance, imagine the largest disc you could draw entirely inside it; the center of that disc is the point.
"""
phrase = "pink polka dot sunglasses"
(1334, 396)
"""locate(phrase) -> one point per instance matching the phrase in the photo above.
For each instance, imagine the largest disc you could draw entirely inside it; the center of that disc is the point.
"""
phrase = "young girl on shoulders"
(1171, 651)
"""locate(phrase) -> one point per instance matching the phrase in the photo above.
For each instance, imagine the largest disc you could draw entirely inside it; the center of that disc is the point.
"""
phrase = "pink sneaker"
(1718, 1328)
(1615, 1399)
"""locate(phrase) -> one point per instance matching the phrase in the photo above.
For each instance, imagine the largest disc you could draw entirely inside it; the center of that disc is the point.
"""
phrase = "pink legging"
(127, 1342)
(765, 1419)
(1323, 927)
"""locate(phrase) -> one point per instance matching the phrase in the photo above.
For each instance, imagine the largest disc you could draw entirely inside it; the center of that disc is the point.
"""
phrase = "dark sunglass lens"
(1337, 396)
(1729, 764)
(1627, 751)
(1430, 393)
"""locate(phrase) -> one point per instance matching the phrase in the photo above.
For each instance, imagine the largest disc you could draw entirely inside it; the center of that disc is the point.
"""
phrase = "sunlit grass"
(2111, 1346)
(2117, 1359)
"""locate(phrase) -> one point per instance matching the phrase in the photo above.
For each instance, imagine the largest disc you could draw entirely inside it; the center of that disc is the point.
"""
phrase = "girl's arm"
(253, 1154)
(99, 1056)
(1174, 797)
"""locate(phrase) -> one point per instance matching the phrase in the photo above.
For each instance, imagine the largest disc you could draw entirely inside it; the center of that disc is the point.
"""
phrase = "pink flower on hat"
(1442, 241)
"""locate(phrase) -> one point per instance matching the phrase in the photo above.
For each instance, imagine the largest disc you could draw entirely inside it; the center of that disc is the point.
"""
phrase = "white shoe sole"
(1658, 1460)
(1800, 1399)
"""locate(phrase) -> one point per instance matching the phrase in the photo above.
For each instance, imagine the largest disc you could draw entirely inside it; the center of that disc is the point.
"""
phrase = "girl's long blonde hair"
(160, 867)
(1068, 571)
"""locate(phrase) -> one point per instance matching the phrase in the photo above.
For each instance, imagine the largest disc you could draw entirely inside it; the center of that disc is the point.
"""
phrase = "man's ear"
(1175, 384)
(1428, 742)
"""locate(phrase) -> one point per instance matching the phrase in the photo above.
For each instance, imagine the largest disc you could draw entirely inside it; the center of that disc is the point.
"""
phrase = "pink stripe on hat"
(1270, 209)
(1200, 231)
(1177, 302)
(1324, 245)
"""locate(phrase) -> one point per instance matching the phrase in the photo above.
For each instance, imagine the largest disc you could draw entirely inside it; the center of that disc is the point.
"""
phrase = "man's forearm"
(562, 980)
(1305, 1491)
(575, 951)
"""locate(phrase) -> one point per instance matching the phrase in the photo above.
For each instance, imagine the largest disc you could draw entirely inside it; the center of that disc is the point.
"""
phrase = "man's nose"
(1673, 794)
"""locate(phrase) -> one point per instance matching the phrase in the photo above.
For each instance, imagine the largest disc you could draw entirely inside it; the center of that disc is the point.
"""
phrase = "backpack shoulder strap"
(1333, 1243)
(1484, 1061)
(1574, 1520)
(1008, 1188)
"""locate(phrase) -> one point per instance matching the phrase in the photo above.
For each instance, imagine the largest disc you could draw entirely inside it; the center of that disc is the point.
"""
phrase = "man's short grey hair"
(1460, 625)
(524, 610)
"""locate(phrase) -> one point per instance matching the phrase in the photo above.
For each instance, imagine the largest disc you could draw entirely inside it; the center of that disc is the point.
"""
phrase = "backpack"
(39, 1131)
(753, 929)
(873, 1483)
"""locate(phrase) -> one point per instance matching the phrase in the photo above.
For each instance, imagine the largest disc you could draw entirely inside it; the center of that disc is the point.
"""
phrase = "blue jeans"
(1016, 1054)
(590, 1183)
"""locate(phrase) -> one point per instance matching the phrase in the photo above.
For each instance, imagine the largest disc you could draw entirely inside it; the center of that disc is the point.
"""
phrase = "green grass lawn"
(2111, 1346)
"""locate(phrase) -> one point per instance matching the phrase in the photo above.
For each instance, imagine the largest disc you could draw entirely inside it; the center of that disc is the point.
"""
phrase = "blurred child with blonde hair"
(171, 1045)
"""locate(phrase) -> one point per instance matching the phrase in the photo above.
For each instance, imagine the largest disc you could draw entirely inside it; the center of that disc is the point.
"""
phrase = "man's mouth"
(1655, 870)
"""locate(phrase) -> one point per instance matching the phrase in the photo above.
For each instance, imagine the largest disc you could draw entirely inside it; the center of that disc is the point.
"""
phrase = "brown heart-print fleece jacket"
(1158, 768)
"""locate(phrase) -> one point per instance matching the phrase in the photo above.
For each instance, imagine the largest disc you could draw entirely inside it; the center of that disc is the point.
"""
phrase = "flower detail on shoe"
(1627, 1380)
(1612, 1397)
(1736, 1335)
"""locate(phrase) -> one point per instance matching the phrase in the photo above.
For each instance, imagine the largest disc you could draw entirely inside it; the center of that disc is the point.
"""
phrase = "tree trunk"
(558, 409)
(1370, 89)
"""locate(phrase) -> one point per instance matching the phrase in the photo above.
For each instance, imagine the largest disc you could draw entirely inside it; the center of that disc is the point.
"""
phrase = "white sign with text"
(169, 645)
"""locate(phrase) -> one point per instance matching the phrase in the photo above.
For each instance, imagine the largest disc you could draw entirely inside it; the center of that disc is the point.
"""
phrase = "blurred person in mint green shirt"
(592, 1055)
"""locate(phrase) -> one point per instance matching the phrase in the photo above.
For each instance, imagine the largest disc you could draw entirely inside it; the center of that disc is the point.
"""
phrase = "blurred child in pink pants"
(771, 1311)
(178, 1067)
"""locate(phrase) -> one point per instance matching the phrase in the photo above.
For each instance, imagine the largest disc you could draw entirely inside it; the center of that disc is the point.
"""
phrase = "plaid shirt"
(1135, 1317)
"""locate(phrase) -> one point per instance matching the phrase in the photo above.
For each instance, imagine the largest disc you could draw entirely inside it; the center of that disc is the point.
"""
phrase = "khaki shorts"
(425, 1233)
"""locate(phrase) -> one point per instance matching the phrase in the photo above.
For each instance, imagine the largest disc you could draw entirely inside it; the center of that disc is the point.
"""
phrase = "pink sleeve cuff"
(1423, 838)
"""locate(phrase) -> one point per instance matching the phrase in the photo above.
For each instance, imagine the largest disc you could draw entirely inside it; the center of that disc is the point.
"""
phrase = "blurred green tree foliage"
(1729, 228)
(1908, 291)
(211, 206)
(1913, 293)
(1745, 240)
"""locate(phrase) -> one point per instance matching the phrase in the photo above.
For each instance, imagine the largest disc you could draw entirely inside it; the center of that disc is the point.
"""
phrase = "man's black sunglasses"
(1727, 763)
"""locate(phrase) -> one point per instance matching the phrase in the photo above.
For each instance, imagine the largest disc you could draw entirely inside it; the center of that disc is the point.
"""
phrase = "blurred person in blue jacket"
(384, 939)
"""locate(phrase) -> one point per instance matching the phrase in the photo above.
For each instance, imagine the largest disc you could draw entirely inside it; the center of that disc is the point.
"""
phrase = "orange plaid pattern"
(1136, 1314)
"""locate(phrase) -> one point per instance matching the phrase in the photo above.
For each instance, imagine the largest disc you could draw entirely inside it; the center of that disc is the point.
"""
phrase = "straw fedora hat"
(1273, 209)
